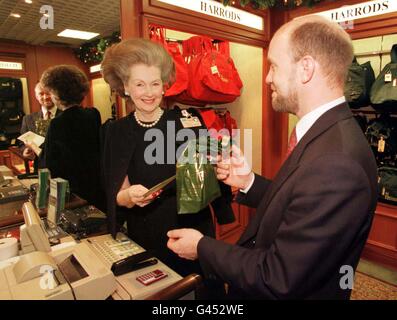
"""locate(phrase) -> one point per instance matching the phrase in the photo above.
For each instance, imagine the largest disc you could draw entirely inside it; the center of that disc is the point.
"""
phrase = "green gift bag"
(196, 182)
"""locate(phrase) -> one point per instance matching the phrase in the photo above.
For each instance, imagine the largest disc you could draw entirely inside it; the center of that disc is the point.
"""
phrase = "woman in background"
(72, 143)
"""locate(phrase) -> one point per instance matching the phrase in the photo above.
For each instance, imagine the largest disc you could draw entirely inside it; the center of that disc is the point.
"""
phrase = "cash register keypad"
(114, 250)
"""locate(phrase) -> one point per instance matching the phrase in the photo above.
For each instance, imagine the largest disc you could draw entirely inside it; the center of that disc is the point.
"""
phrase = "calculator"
(150, 277)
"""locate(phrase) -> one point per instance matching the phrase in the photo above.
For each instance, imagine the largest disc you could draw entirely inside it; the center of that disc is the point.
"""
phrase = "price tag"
(191, 122)
(214, 69)
(388, 77)
(381, 145)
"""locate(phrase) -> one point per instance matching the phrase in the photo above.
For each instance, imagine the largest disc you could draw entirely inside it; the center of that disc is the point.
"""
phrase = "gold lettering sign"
(10, 65)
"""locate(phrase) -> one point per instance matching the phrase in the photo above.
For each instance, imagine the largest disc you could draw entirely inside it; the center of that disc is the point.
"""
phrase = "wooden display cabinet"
(5, 158)
(381, 245)
(18, 164)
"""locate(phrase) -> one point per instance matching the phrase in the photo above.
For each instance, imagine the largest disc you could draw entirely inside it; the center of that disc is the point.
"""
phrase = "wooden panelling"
(130, 18)
(36, 59)
(382, 240)
(5, 158)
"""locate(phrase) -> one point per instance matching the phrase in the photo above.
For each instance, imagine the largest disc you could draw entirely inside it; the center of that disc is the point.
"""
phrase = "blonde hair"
(326, 42)
(120, 57)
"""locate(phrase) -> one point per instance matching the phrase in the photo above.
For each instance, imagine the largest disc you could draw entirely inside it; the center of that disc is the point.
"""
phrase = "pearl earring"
(127, 94)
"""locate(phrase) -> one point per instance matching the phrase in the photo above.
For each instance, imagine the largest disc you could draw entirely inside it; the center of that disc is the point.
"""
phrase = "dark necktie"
(46, 115)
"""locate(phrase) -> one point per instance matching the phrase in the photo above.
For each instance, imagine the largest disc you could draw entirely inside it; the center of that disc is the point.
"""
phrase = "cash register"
(73, 272)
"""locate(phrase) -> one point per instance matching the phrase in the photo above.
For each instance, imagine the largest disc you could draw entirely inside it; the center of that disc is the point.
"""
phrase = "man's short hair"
(326, 42)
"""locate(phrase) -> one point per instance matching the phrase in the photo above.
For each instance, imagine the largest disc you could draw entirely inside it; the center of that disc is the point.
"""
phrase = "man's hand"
(184, 242)
(235, 170)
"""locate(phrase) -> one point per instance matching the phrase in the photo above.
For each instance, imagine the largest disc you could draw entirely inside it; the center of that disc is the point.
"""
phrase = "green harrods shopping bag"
(196, 181)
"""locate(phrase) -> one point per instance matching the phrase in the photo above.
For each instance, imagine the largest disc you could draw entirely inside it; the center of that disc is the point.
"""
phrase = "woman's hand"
(130, 195)
(136, 195)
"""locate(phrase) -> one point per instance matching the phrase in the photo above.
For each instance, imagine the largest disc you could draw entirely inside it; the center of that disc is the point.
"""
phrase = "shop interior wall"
(247, 109)
(25, 90)
(102, 99)
(38, 59)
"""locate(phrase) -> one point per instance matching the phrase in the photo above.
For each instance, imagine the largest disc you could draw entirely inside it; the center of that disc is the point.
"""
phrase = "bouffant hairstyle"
(120, 57)
(68, 82)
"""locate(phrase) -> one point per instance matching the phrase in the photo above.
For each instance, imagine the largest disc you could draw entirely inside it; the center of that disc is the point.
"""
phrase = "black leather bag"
(10, 89)
(358, 84)
(387, 182)
(381, 134)
(384, 89)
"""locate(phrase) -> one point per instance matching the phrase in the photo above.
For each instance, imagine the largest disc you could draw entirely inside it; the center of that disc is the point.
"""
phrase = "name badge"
(388, 77)
(191, 122)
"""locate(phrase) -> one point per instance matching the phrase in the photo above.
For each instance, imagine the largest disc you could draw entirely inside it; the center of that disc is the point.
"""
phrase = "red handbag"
(219, 122)
(157, 34)
(213, 75)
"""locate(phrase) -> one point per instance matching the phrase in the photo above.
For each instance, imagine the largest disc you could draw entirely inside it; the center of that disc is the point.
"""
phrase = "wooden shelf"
(381, 246)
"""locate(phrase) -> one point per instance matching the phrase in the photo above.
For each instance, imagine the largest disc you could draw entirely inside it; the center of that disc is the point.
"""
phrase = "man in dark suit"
(31, 122)
(313, 219)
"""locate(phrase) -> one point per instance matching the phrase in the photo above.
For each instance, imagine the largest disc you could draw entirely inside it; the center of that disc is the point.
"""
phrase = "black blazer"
(118, 143)
(29, 121)
(310, 221)
(72, 151)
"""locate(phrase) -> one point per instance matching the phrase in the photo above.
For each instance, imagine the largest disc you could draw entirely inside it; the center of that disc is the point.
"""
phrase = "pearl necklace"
(160, 113)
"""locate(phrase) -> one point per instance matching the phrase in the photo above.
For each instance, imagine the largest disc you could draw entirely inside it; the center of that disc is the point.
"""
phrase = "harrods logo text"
(220, 12)
(362, 11)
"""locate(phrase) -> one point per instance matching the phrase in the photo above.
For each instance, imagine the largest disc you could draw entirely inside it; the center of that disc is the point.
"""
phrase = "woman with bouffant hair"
(72, 142)
(141, 70)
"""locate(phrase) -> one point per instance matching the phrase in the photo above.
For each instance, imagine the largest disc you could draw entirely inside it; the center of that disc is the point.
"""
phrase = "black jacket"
(72, 152)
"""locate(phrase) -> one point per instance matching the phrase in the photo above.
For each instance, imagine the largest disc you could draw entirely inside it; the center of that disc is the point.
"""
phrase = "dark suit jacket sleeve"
(255, 194)
(24, 126)
(323, 215)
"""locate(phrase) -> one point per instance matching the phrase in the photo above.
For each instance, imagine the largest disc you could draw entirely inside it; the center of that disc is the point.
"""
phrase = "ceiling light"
(29, 1)
(68, 33)
(15, 15)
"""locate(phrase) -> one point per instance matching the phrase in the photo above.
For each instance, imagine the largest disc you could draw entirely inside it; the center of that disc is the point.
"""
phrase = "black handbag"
(10, 89)
(387, 182)
(358, 84)
(384, 89)
(381, 134)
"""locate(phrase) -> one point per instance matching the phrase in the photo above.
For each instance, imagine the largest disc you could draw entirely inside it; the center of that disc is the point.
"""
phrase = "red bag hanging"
(213, 120)
(213, 75)
(191, 48)
(157, 34)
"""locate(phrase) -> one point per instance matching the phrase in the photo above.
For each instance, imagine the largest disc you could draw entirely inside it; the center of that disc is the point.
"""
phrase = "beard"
(286, 103)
